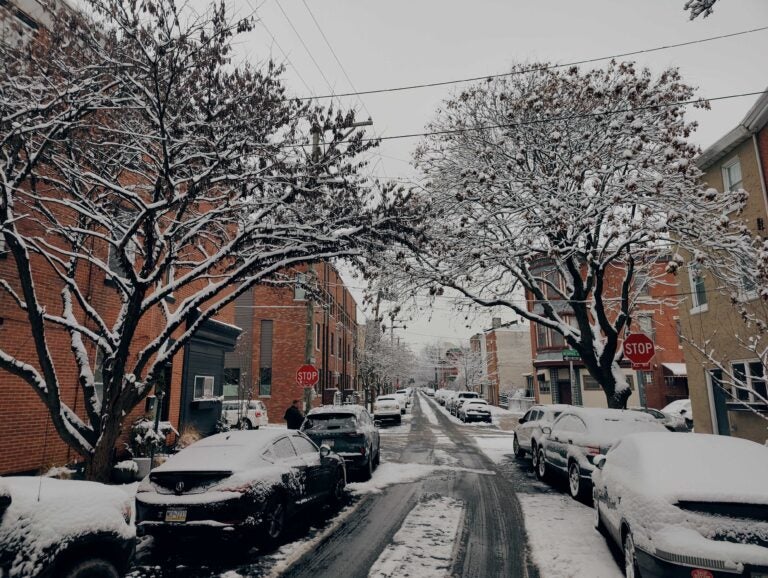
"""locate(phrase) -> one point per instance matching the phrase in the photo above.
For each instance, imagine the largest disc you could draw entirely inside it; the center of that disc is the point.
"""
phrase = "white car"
(387, 408)
(475, 410)
(582, 433)
(454, 401)
(405, 401)
(685, 505)
(528, 433)
(680, 408)
(245, 414)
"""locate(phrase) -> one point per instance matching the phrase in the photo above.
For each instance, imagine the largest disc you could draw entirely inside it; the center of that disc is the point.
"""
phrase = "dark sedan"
(349, 430)
(249, 481)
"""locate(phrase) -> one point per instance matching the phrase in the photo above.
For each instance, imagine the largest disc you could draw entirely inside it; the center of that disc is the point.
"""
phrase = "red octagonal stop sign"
(638, 348)
(307, 375)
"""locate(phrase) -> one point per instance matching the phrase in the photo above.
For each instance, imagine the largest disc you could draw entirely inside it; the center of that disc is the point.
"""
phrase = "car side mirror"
(546, 430)
(598, 461)
(325, 451)
(521, 420)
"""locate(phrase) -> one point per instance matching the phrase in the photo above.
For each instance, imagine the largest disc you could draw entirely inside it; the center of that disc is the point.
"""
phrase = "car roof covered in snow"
(228, 451)
(552, 406)
(692, 466)
(355, 410)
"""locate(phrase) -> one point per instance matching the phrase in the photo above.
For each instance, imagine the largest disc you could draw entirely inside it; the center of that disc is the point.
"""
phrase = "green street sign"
(571, 354)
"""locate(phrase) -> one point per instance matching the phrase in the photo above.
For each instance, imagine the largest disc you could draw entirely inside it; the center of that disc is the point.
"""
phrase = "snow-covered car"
(239, 484)
(570, 445)
(429, 392)
(682, 408)
(387, 408)
(404, 398)
(475, 410)
(53, 528)
(245, 414)
(349, 431)
(528, 433)
(454, 402)
(685, 505)
(670, 421)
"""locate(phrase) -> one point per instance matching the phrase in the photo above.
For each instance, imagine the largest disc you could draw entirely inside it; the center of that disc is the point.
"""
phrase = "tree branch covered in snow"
(699, 7)
(152, 180)
(576, 187)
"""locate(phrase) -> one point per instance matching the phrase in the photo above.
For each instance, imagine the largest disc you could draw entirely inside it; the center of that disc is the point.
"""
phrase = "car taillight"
(699, 573)
(240, 489)
(257, 414)
(593, 450)
(362, 450)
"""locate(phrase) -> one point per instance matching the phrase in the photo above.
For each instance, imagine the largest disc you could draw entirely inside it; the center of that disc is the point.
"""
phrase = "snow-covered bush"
(144, 440)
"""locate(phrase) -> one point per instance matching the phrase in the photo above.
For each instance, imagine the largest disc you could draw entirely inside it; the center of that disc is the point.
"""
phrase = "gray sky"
(396, 42)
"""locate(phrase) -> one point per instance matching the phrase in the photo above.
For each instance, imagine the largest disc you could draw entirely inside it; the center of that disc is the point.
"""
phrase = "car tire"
(399, 420)
(597, 521)
(91, 568)
(631, 567)
(519, 452)
(273, 521)
(336, 497)
(541, 465)
(245, 423)
(367, 472)
(576, 485)
(377, 458)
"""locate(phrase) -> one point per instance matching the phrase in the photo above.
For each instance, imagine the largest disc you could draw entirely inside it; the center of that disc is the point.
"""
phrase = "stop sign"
(638, 348)
(307, 375)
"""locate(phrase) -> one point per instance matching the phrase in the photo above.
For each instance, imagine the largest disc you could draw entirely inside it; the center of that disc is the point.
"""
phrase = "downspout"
(759, 160)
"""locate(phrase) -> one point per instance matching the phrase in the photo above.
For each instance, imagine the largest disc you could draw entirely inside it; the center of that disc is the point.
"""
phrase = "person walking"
(293, 415)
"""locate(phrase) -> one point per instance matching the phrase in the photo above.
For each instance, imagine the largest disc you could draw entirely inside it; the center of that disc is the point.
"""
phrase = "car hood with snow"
(47, 516)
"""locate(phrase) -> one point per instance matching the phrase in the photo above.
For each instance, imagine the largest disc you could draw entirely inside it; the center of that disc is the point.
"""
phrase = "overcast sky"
(404, 42)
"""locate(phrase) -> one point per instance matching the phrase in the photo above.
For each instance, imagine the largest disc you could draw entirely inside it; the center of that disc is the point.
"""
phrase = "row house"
(559, 376)
(738, 160)
(507, 354)
(310, 318)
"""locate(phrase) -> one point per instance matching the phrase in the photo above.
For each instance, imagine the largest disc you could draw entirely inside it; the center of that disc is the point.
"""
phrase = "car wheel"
(541, 465)
(575, 483)
(519, 452)
(339, 488)
(377, 459)
(597, 520)
(368, 470)
(245, 423)
(92, 568)
(631, 568)
(399, 420)
(273, 520)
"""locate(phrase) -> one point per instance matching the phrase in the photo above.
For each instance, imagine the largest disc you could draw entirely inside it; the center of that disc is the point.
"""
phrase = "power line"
(541, 68)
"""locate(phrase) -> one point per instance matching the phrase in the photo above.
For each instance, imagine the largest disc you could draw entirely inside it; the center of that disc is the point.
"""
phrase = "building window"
(300, 287)
(547, 338)
(749, 375)
(544, 386)
(590, 383)
(204, 386)
(317, 336)
(231, 382)
(340, 349)
(645, 325)
(265, 358)
(641, 283)
(333, 340)
(698, 291)
(748, 283)
(98, 374)
(123, 220)
(732, 175)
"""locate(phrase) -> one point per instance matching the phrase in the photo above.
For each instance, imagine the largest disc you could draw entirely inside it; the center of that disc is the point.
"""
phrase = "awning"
(678, 369)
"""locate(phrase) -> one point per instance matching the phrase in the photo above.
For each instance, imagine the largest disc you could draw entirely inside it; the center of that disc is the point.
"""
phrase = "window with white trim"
(300, 287)
(751, 379)
(698, 291)
(98, 374)
(123, 220)
(732, 175)
(645, 325)
(203, 387)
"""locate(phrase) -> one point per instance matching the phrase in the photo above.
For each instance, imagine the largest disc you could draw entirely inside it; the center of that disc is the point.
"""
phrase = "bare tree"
(136, 152)
(576, 187)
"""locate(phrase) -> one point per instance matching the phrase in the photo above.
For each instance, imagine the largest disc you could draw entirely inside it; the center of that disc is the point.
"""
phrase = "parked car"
(404, 399)
(238, 484)
(452, 404)
(387, 408)
(348, 430)
(429, 392)
(528, 433)
(53, 528)
(692, 505)
(475, 410)
(670, 421)
(680, 407)
(245, 414)
(578, 435)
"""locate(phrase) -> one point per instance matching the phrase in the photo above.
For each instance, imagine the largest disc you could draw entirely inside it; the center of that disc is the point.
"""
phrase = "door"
(720, 399)
(296, 479)
(317, 473)
(564, 393)
(523, 431)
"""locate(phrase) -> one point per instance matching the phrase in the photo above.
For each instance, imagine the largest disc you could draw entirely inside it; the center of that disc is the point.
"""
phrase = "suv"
(387, 407)
(528, 433)
(349, 431)
(53, 528)
(244, 414)
(455, 401)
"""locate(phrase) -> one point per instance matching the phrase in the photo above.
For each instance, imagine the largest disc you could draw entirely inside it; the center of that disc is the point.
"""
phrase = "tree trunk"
(98, 467)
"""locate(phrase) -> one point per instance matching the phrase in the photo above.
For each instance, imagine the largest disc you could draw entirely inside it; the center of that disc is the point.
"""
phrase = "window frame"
(694, 277)
(204, 397)
(749, 380)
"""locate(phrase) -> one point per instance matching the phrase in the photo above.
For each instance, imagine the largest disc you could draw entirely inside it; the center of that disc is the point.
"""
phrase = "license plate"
(328, 443)
(176, 515)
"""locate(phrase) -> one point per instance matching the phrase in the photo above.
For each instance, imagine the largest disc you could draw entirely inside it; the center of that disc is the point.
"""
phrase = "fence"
(515, 403)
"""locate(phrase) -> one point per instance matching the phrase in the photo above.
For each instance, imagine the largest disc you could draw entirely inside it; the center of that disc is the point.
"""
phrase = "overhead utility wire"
(538, 68)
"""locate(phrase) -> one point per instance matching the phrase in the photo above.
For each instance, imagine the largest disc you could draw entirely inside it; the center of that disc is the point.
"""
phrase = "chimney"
(495, 322)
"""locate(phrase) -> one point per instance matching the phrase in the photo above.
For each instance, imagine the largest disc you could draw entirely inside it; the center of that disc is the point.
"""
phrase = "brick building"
(312, 318)
(656, 315)
(507, 354)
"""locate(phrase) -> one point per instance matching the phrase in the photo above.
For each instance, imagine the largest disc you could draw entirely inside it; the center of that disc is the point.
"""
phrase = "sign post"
(570, 355)
(308, 376)
(639, 349)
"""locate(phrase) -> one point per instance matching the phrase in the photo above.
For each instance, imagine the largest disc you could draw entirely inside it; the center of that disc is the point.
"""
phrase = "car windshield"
(330, 421)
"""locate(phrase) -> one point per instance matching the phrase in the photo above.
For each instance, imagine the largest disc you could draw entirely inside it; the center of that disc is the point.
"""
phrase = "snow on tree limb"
(699, 7)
